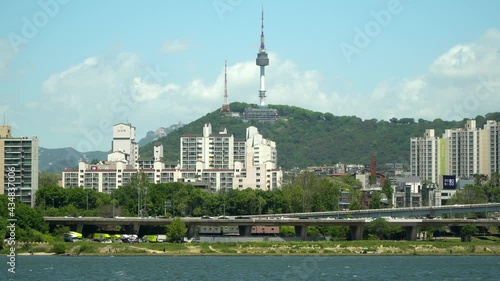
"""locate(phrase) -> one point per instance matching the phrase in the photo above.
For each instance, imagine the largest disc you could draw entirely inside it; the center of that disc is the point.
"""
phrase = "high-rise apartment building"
(19, 165)
(214, 151)
(424, 156)
(460, 150)
(489, 148)
(124, 147)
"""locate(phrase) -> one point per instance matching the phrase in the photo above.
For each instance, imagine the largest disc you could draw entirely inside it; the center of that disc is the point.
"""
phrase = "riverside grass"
(291, 248)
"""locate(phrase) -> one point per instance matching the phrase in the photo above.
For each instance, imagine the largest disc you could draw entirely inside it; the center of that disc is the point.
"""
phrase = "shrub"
(59, 248)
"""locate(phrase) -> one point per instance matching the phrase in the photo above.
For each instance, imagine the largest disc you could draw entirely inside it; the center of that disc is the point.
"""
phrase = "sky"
(70, 69)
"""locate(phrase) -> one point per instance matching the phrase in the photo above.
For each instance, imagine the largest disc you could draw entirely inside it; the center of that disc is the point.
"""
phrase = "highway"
(397, 212)
(409, 218)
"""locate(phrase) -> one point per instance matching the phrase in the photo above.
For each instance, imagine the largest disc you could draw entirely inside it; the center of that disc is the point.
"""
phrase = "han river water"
(32, 268)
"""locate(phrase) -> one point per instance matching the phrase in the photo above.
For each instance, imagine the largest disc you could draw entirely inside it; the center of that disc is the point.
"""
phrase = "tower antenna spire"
(225, 105)
(262, 45)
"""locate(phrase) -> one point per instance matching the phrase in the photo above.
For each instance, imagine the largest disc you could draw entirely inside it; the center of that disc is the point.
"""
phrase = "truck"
(160, 238)
(101, 237)
(155, 238)
(72, 236)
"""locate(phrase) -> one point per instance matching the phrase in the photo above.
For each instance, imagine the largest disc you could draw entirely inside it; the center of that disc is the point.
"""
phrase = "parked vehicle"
(155, 238)
(72, 236)
(101, 237)
(150, 238)
(160, 238)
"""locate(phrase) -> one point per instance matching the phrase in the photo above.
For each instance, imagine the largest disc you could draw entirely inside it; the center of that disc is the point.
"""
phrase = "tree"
(375, 202)
(387, 190)
(380, 228)
(47, 179)
(470, 194)
(467, 231)
(287, 231)
(176, 230)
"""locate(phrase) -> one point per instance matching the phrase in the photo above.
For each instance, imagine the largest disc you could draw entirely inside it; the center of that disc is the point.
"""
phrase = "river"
(31, 268)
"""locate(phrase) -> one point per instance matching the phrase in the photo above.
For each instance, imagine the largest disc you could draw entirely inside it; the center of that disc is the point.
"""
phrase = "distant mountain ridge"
(55, 160)
(159, 133)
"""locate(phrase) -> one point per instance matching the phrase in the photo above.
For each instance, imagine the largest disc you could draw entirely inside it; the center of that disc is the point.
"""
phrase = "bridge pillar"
(245, 230)
(191, 231)
(411, 233)
(301, 231)
(79, 227)
(356, 232)
(136, 228)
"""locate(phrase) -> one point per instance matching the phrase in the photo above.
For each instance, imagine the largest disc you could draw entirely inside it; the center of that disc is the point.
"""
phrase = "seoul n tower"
(262, 60)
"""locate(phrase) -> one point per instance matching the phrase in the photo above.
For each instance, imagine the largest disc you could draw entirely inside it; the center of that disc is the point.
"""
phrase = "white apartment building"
(460, 149)
(489, 148)
(19, 166)
(124, 147)
(215, 151)
(424, 156)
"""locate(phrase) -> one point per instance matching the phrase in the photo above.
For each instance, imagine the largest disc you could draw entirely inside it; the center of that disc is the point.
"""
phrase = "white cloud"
(174, 46)
(151, 91)
(471, 59)
(461, 83)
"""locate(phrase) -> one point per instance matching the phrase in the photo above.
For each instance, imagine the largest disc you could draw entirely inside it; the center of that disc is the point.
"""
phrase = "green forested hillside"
(306, 138)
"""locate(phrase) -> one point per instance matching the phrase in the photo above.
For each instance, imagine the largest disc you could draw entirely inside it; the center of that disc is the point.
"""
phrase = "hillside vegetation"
(307, 138)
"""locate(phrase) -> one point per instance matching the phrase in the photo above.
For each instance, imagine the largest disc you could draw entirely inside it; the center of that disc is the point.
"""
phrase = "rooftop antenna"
(225, 105)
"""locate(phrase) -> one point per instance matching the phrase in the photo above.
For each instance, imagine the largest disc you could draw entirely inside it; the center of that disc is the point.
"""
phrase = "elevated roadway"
(245, 225)
(396, 212)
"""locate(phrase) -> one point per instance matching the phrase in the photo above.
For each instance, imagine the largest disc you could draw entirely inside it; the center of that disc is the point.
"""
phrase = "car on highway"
(223, 217)
(207, 217)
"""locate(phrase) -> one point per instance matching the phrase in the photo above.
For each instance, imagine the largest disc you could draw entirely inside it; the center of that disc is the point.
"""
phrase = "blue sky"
(70, 69)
